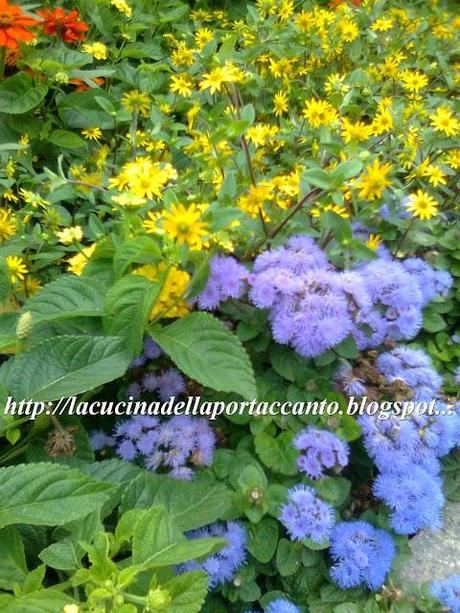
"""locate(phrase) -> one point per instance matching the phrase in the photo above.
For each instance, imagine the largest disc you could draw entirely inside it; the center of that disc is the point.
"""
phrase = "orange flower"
(13, 25)
(335, 3)
(68, 27)
(81, 86)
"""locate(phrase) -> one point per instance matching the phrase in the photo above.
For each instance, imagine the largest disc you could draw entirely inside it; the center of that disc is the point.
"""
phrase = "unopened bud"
(158, 599)
(24, 325)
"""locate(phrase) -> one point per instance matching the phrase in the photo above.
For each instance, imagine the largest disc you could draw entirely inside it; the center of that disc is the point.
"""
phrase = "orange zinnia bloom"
(13, 25)
(81, 86)
(68, 27)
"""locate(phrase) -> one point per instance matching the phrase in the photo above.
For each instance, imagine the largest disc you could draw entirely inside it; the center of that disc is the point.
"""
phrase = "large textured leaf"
(13, 567)
(139, 250)
(205, 350)
(189, 505)
(48, 494)
(158, 542)
(19, 94)
(67, 297)
(43, 601)
(80, 110)
(188, 592)
(127, 308)
(67, 365)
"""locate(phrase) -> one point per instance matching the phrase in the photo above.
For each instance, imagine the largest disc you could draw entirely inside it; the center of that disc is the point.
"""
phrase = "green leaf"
(189, 505)
(277, 453)
(205, 350)
(66, 139)
(139, 250)
(19, 94)
(188, 592)
(347, 170)
(317, 177)
(288, 558)
(67, 365)
(432, 321)
(158, 542)
(334, 490)
(67, 297)
(81, 110)
(48, 494)
(61, 555)
(127, 308)
(341, 228)
(44, 601)
(263, 540)
(13, 567)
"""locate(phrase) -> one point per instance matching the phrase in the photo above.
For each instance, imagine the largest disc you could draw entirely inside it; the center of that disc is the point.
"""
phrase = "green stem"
(2, 61)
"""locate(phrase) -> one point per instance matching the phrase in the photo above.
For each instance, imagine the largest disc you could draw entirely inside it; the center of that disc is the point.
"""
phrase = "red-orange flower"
(81, 86)
(68, 27)
(13, 25)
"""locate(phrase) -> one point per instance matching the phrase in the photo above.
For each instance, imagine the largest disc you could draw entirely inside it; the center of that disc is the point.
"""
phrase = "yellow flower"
(123, 7)
(334, 84)
(280, 103)
(98, 50)
(182, 84)
(357, 132)
(70, 235)
(444, 121)
(136, 102)
(144, 178)
(381, 25)
(214, 80)
(373, 241)
(191, 115)
(319, 113)
(175, 282)
(340, 210)
(305, 21)
(413, 80)
(16, 268)
(9, 195)
(383, 122)
(374, 181)
(452, 159)
(92, 133)
(422, 205)
(128, 200)
(348, 29)
(29, 286)
(435, 175)
(182, 56)
(7, 225)
(253, 202)
(185, 226)
(261, 133)
(202, 37)
(77, 263)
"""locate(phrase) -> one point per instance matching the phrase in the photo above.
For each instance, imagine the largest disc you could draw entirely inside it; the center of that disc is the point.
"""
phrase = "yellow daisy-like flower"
(382, 25)
(123, 7)
(356, 132)
(77, 263)
(7, 225)
(319, 113)
(92, 133)
(182, 84)
(171, 301)
(184, 225)
(128, 200)
(202, 37)
(443, 120)
(98, 50)
(136, 102)
(9, 195)
(435, 175)
(413, 80)
(214, 80)
(452, 159)
(374, 180)
(373, 241)
(280, 103)
(144, 178)
(422, 205)
(70, 235)
(182, 56)
(16, 268)
(383, 122)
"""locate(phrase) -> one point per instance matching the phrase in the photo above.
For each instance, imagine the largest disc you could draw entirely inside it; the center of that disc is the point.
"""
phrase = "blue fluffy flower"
(447, 591)
(413, 496)
(226, 280)
(280, 605)
(321, 450)
(223, 565)
(361, 555)
(305, 516)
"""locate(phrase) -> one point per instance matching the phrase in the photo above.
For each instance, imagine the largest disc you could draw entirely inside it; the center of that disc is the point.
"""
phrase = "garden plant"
(248, 207)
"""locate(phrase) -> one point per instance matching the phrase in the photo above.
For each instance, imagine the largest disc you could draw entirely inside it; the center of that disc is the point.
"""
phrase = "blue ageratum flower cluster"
(349, 382)
(414, 368)
(280, 605)
(362, 555)
(321, 450)
(447, 592)
(178, 445)
(223, 565)
(313, 306)
(414, 498)
(305, 516)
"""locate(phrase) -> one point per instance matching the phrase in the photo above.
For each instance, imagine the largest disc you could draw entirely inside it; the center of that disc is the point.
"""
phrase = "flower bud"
(24, 325)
